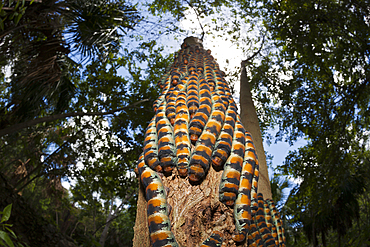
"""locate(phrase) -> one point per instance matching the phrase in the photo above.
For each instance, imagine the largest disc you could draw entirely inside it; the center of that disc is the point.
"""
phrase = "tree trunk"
(195, 211)
(104, 234)
(250, 122)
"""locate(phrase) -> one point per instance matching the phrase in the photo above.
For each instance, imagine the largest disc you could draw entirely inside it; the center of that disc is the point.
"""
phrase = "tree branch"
(197, 14)
(247, 61)
(17, 127)
(115, 214)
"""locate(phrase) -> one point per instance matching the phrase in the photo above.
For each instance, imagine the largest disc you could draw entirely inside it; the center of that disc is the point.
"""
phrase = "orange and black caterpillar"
(264, 231)
(192, 95)
(242, 208)
(170, 106)
(181, 131)
(215, 240)
(166, 144)
(269, 223)
(224, 142)
(200, 160)
(150, 147)
(201, 116)
(157, 212)
(230, 179)
(277, 222)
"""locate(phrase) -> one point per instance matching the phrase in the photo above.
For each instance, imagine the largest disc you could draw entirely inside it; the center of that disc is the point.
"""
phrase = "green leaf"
(9, 230)
(6, 213)
(4, 236)
(17, 18)
(16, 6)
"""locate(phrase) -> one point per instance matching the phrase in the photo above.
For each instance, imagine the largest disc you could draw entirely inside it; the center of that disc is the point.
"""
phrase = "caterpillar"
(277, 222)
(158, 220)
(200, 119)
(192, 95)
(166, 144)
(170, 106)
(150, 147)
(224, 142)
(265, 233)
(231, 175)
(195, 125)
(254, 237)
(254, 201)
(215, 240)
(242, 208)
(175, 77)
(182, 140)
(199, 163)
(269, 222)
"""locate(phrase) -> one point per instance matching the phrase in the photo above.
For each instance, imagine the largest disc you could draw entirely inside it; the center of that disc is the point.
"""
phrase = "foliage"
(5, 230)
(5, 215)
(323, 97)
(308, 63)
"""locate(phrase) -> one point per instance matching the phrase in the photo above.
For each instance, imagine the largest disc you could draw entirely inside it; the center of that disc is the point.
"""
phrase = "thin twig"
(197, 14)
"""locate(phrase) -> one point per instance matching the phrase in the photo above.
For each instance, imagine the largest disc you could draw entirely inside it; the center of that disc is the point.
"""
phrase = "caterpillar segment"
(170, 106)
(254, 237)
(183, 69)
(175, 77)
(230, 179)
(224, 142)
(242, 207)
(200, 118)
(199, 162)
(220, 88)
(192, 64)
(264, 231)
(158, 221)
(181, 131)
(164, 80)
(252, 153)
(269, 222)
(182, 84)
(209, 76)
(192, 96)
(277, 222)
(150, 147)
(166, 143)
(200, 64)
(215, 240)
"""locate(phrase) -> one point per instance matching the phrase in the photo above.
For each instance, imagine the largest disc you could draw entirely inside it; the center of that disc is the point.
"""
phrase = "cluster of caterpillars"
(196, 125)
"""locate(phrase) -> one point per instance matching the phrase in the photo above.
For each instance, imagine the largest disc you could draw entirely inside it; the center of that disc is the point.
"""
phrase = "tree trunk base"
(194, 210)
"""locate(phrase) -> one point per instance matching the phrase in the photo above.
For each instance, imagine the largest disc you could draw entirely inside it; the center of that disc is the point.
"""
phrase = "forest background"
(78, 79)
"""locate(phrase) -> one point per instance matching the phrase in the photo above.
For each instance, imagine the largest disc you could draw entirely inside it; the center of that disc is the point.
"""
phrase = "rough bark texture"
(250, 122)
(195, 212)
(141, 229)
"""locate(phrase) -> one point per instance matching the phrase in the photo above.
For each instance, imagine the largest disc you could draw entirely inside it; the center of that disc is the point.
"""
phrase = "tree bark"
(195, 211)
(250, 122)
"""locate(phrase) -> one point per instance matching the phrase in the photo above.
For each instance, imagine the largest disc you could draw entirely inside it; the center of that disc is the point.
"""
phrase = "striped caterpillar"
(196, 125)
